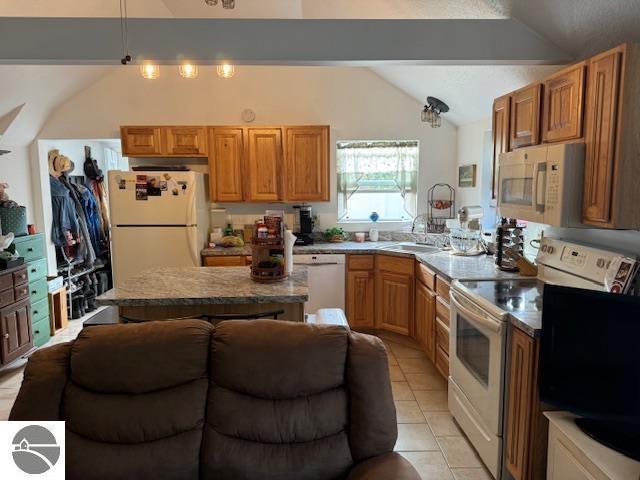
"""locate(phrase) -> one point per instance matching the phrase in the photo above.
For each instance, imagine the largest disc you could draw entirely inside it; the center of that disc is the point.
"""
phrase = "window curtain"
(378, 166)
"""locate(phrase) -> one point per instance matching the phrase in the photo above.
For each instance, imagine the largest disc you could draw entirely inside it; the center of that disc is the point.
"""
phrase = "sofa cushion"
(278, 404)
(273, 359)
(139, 358)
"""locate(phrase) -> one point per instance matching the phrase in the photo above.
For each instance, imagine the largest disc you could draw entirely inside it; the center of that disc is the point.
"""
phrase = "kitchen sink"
(411, 248)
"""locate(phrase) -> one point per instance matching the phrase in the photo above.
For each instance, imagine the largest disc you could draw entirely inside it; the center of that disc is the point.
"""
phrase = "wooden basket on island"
(268, 251)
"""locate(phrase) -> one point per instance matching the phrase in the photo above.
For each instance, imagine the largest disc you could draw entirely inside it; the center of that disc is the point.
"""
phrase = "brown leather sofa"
(247, 400)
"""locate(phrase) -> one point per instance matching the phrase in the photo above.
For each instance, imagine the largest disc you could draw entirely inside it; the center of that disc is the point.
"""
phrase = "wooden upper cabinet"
(226, 157)
(525, 117)
(500, 133)
(600, 137)
(264, 165)
(141, 141)
(307, 163)
(186, 141)
(563, 104)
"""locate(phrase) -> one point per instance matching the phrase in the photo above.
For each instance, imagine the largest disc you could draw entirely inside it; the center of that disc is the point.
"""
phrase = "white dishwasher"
(326, 280)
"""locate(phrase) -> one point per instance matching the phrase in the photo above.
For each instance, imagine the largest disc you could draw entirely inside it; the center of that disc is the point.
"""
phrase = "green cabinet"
(32, 248)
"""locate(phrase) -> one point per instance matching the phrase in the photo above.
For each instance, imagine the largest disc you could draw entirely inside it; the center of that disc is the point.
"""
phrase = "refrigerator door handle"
(193, 245)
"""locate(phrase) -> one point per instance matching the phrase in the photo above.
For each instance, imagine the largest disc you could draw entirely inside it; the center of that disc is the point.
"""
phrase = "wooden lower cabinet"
(226, 261)
(360, 298)
(15, 330)
(395, 302)
(425, 319)
(526, 431)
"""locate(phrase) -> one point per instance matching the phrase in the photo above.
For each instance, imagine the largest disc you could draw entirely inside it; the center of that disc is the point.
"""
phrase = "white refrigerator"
(158, 219)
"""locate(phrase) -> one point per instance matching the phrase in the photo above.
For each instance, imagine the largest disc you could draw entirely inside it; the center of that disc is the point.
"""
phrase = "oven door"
(522, 184)
(477, 359)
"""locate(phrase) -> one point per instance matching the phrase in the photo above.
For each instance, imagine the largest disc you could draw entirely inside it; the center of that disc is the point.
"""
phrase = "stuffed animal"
(4, 197)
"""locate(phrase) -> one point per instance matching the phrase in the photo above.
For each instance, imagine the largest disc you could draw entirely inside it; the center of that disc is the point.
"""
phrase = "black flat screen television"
(590, 362)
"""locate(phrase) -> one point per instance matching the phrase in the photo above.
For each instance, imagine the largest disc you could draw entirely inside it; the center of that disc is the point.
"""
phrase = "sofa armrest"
(384, 467)
(45, 377)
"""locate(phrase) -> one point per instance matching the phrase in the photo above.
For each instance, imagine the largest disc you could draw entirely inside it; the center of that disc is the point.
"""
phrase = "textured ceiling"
(379, 9)
(41, 89)
(469, 90)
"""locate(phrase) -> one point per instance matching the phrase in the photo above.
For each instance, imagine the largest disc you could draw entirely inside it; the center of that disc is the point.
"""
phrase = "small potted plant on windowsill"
(335, 235)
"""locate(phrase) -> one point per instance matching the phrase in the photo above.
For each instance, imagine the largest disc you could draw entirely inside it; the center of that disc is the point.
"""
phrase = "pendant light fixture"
(226, 70)
(432, 110)
(150, 71)
(188, 70)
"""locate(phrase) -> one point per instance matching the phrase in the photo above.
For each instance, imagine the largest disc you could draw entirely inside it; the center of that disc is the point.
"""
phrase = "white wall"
(15, 170)
(357, 104)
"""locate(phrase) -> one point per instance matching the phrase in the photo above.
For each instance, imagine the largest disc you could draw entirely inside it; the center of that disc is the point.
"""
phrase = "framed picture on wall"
(467, 176)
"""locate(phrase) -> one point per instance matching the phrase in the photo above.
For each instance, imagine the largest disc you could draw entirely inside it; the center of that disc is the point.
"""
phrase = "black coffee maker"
(303, 226)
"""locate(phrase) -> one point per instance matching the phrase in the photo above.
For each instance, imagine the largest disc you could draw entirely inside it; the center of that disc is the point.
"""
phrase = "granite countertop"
(529, 323)
(442, 262)
(204, 286)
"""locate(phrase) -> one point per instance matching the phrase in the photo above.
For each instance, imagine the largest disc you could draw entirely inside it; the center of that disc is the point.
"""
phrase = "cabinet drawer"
(21, 292)
(442, 311)
(395, 264)
(442, 336)
(38, 290)
(442, 362)
(361, 262)
(426, 276)
(7, 297)
(6, 281)
(442, 289)
(31, 247)
(40, 310)
(41, 333)
(225, 261)
(37, 269)
(20, 277)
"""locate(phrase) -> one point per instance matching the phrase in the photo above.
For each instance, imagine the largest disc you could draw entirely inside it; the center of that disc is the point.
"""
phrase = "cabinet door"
(15, 328)
(186, 141)
(141, 141)
(500, 125)
(225, 261)
(307, 163)
(226, 153)
(395, 302)
(425, 320)
(563, 105)
(264, 165)
(360, 298)
(525, 117)
(521, 403)
(600, 137)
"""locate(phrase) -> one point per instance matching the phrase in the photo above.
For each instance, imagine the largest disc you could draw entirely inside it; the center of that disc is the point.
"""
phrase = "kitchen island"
(162, 293)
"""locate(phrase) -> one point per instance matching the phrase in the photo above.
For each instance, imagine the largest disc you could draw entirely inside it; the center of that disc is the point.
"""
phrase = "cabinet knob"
(33, 292)
(6, 335)
(37, 331)
(30, 249)
(35, 312)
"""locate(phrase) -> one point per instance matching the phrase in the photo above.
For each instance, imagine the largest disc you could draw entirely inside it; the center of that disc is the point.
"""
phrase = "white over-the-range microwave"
(542, 184)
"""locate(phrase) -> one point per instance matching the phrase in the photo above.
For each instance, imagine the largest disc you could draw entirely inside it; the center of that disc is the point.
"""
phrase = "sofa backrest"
(245, 400)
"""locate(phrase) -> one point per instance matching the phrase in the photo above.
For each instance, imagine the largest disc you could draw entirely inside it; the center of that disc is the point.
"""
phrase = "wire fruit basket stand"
(441, 207)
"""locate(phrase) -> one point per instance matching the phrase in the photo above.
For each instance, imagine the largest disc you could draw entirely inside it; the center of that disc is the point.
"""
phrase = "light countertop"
(205, 286)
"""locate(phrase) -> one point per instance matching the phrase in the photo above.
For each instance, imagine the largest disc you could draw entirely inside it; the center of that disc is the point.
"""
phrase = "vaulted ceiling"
(579, 27)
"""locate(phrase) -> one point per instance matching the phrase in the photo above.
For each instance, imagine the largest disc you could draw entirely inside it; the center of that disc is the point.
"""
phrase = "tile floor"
(427, 435)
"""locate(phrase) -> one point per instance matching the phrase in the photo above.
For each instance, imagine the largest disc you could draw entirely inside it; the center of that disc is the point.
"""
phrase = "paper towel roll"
(289, 240)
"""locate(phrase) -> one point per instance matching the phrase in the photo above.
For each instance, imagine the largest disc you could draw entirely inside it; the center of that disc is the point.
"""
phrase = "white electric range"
(480, 311)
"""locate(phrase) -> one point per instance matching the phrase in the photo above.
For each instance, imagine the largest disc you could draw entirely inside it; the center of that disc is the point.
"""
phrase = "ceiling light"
(150, 71)
(187, 70)
(226, 70)
(432, 110)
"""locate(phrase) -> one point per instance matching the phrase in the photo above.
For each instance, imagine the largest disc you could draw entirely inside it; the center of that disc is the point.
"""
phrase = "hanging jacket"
(87, 248)
(65, 219)
(92, 216)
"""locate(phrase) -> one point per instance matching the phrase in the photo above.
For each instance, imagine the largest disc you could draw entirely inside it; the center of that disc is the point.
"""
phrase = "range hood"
(5, 122)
